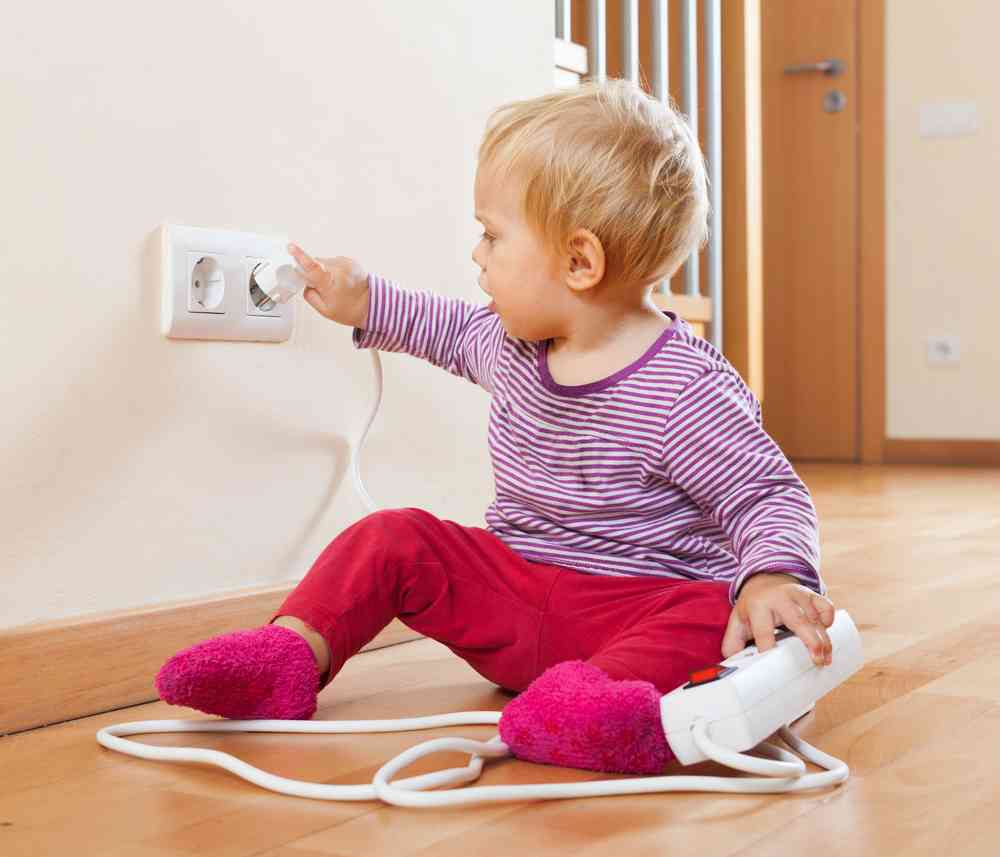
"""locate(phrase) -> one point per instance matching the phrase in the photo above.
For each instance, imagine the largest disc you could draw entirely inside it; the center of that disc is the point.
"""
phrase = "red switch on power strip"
(708, 674)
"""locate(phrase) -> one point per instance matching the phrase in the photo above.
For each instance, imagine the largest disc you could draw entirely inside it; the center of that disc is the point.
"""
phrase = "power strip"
(750, 695)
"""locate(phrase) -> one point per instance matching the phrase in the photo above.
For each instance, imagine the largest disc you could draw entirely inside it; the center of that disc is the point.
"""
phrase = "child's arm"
(455, 335)
(715, 448)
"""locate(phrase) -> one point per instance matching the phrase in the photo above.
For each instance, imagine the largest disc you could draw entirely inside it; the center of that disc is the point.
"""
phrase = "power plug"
(271, 283)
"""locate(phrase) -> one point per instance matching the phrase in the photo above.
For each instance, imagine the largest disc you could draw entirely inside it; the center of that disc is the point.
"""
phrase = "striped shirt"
(662, 469)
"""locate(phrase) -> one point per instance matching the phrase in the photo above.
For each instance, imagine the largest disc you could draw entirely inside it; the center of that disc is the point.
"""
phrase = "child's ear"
(585, 262)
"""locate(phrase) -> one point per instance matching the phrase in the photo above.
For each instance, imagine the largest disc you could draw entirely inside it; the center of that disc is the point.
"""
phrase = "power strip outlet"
(749, 696)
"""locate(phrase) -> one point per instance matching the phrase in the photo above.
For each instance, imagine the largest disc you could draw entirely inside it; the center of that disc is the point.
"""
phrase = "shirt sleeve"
(455, 335)
(716, 450)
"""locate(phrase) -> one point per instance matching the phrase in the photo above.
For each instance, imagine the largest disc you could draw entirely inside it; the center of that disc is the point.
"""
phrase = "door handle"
(827, 67)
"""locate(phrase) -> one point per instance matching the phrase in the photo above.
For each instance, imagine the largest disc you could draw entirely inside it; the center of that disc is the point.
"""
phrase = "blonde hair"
(608, 157)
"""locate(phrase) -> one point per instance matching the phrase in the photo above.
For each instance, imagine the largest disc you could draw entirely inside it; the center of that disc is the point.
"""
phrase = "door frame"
(871, 231)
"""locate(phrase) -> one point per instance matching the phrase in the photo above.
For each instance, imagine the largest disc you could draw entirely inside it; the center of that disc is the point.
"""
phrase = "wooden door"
(810, 214)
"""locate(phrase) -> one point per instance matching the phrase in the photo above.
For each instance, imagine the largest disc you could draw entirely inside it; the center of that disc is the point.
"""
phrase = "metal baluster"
(630, 39)
(564, 29)
(713, 144)
(689, 27)
(660, 41)
(597, 37)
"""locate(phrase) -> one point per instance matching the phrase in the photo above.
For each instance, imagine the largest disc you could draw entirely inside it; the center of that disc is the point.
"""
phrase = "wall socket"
(943, 350)
(207, 285)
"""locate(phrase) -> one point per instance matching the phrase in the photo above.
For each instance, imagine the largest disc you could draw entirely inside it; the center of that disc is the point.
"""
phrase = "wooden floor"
(912, 553)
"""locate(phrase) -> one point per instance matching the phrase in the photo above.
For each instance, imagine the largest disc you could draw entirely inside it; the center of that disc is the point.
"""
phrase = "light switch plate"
(949, 119)
(234, 317)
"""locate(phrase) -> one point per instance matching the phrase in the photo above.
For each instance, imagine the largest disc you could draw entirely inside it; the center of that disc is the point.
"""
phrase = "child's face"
(517, 271)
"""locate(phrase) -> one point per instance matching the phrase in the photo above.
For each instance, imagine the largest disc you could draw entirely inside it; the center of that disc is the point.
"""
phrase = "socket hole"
(208, 282)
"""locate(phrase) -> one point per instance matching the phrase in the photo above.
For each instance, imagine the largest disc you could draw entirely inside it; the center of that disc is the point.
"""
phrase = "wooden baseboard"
(56, 671)
(963, 453)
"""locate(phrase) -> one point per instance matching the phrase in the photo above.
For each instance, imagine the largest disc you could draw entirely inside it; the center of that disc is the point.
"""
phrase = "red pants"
(507, 617)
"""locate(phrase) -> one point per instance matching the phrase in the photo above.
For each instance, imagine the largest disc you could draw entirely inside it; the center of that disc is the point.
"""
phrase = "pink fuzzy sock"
(266, 673)
(575, 716)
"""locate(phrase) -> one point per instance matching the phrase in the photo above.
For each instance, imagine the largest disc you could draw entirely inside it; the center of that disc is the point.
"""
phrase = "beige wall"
(943, 211)
(138, 469)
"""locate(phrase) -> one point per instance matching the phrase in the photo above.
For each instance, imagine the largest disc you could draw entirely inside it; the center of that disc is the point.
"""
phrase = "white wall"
(139, 469)
(943, 211)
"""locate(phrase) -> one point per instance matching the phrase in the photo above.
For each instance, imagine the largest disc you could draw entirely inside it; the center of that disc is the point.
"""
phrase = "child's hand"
(768, 600)
(336, 288)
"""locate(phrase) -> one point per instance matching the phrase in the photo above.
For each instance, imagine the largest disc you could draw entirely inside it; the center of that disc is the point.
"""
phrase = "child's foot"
(576, 716)
(267, 673)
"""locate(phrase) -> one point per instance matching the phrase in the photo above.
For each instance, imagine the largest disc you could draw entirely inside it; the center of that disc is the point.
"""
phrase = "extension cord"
(750, 695)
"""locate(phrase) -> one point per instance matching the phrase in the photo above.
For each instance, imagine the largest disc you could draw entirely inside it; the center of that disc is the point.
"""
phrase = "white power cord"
(790, 770)
(787, 774)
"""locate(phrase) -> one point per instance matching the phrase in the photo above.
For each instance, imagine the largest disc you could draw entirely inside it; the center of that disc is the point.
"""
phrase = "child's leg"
(320, 650)
(597, 704)
(458, 585)
(452, 583)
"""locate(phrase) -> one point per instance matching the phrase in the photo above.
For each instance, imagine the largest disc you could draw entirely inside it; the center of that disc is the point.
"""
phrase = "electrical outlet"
(207, 285)
(943, 350)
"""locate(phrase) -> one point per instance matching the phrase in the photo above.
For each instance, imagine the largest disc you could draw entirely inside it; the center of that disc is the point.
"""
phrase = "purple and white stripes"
(660, 469)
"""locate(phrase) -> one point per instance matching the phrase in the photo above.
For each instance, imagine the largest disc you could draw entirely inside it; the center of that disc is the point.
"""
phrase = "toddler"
(644, 522)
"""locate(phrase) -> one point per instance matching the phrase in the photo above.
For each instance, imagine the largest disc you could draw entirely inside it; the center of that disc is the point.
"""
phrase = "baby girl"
(644, 522)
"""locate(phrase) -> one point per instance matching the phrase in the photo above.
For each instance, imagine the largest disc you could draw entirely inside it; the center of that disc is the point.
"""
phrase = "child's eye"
(487, 236)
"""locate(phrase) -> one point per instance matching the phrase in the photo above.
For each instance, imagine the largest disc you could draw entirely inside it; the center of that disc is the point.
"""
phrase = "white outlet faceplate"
(949, 119)
(206, 284)
(943, 350)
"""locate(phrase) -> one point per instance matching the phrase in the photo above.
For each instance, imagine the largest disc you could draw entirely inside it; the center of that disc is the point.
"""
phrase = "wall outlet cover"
(943, 350)
(228, 314)
(949, 119)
